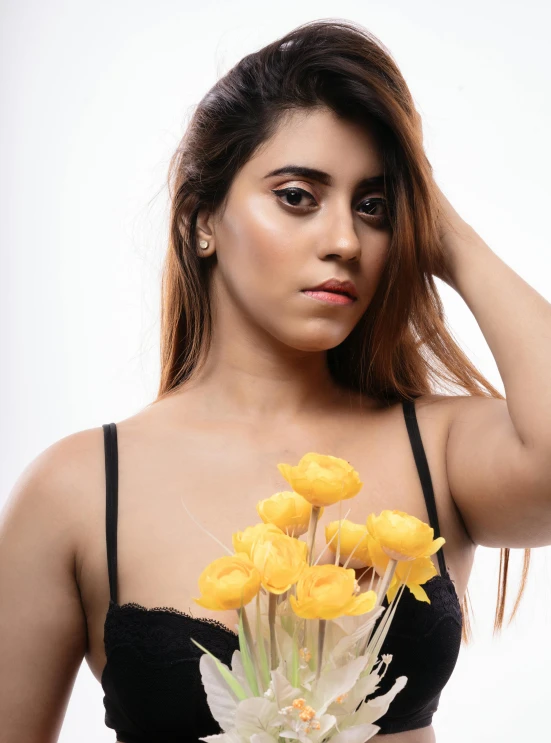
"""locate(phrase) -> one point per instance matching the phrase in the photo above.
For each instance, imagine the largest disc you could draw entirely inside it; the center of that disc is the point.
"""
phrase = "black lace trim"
(171, 610)
(156, 634)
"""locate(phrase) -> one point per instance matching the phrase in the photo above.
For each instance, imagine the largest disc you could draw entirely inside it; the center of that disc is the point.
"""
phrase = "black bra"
(152, 686)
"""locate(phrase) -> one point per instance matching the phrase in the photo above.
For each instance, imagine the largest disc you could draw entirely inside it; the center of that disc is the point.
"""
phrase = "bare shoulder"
(44, 630)
(456, 405)
(444, 410)
(60, 474)
(435, 413)
(444, 404)
(60, 486)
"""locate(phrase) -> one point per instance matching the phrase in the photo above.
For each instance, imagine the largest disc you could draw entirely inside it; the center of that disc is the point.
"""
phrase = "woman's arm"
(42, 624)
(499, 451)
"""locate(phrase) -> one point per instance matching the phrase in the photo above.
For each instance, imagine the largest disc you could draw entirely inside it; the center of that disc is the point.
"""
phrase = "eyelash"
(379, 218)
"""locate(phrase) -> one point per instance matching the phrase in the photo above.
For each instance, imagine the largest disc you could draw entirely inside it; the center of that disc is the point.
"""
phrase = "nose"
(341, 240)
(345, 249)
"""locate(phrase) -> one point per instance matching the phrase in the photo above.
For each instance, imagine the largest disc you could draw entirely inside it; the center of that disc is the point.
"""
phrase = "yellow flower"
(413, 574)
(280, 560)
(329, 591)
(351, 535)
(228, 583)
(379, 559)
(403, 537)
(287, 510)
(243, 541)
(322, 479)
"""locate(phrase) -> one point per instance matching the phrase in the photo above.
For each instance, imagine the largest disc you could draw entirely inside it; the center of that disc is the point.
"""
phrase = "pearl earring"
(203, 244)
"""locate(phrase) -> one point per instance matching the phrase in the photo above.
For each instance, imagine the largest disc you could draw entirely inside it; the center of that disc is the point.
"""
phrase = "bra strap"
(111, 503)
(424, 474)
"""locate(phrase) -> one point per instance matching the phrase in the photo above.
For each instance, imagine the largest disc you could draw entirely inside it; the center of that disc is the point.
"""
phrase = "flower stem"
(338, 550)
(382, 588)
(321, 638)
(312, 524)
(251, 645)
(271, 621)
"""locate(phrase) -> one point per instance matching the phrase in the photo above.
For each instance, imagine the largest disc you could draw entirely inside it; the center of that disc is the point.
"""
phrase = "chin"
(316, 342)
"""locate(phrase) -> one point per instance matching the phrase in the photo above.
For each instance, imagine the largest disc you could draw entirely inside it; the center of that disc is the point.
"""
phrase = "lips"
(337, 287)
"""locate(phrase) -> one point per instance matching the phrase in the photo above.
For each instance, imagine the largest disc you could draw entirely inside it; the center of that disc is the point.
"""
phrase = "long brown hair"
(401, 348)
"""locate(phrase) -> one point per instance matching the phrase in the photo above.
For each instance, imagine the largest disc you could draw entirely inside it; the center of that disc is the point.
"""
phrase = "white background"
(94, 98)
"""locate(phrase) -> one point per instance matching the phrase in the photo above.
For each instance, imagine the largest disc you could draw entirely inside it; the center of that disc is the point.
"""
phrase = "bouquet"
(309, 669)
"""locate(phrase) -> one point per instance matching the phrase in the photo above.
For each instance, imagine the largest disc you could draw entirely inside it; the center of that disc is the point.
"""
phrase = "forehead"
(319, 138)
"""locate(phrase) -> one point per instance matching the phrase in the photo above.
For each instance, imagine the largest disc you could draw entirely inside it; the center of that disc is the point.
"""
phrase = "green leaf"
(286, 624)
(232, 682)
(295, 660)
(246, 659)
(262, 655)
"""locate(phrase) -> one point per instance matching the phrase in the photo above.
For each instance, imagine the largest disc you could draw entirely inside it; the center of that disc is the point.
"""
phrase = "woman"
(303, 165)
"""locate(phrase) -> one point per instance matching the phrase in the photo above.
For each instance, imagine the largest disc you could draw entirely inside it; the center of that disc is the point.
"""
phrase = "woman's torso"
(221, 470)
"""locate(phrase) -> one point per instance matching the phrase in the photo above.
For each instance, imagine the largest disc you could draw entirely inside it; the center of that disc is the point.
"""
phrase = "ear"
(204, 233)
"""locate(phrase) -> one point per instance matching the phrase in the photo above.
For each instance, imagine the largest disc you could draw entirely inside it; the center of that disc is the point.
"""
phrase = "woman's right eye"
(293, 193)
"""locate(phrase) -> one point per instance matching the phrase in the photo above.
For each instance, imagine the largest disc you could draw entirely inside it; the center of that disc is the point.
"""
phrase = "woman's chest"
(179, 506)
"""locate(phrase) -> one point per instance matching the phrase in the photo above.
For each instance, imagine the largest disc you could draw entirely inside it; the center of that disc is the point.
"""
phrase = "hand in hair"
(455, 234)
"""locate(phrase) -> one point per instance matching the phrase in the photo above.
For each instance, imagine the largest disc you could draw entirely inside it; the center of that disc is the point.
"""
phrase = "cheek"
(259, 253)
(374, 257)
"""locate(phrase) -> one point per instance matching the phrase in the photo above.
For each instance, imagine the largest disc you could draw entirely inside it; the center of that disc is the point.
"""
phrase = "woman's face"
(281, 234)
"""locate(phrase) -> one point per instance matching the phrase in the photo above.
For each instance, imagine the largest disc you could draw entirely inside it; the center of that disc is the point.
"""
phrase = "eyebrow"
(376, 181)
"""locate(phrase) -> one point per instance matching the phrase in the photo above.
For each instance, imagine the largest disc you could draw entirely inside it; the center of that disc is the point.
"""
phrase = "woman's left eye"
(295, 194)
